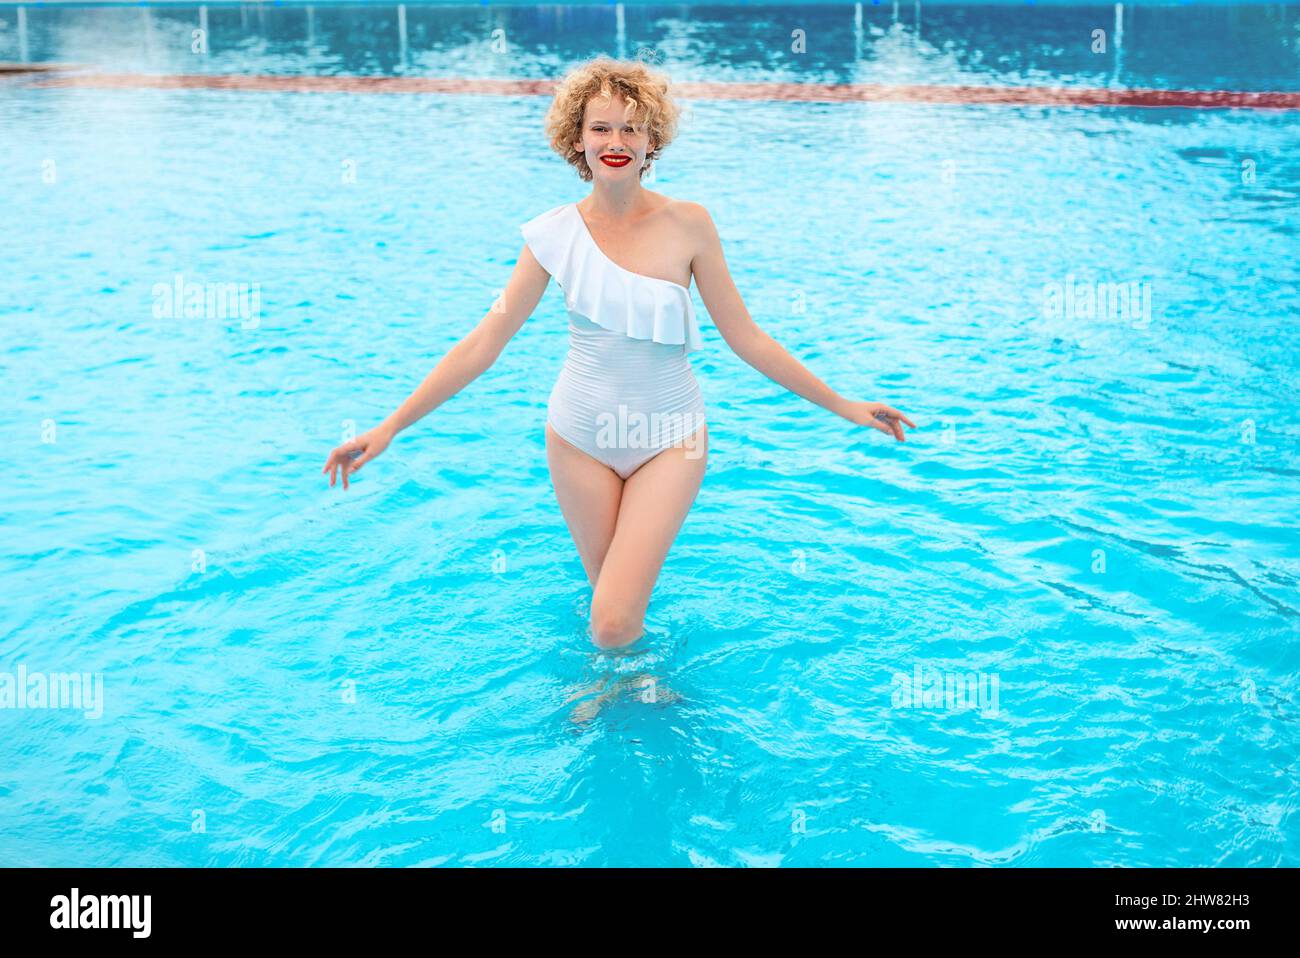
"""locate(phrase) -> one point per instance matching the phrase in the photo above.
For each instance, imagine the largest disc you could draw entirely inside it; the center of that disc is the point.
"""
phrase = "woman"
(626, 440)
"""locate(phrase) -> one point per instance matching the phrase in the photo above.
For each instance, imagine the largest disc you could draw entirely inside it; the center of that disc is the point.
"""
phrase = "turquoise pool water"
(1096, 520)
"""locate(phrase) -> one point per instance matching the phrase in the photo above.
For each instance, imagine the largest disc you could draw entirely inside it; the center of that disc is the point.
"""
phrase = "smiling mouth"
(616, 159)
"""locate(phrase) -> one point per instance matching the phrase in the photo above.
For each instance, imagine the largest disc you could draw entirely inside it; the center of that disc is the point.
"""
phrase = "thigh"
(589, 493)
(656, 499)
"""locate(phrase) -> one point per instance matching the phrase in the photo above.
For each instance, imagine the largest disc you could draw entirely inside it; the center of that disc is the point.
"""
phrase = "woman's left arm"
(750, 343)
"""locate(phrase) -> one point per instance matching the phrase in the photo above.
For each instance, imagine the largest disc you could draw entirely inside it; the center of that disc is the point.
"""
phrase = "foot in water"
(646, 688)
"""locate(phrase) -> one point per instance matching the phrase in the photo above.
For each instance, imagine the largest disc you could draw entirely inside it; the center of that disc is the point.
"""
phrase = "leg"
(656, 499)
(588, 492)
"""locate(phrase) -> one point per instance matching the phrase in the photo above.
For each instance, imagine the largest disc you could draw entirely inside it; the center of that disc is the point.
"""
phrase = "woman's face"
(607, 136)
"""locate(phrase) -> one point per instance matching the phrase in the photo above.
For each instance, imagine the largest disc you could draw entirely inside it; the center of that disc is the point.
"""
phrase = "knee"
(612, 628)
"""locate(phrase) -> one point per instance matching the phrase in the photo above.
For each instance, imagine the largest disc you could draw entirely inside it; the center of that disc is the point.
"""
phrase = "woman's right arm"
(461, 365)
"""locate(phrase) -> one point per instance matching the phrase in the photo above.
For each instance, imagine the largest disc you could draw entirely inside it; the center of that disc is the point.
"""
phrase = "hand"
(876, 414)
(351, 456)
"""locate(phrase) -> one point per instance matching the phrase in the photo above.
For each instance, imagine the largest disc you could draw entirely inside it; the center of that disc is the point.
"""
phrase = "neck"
(617, 202)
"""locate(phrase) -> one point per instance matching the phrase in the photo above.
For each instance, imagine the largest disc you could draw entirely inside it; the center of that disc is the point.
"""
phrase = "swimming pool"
(1094, 529)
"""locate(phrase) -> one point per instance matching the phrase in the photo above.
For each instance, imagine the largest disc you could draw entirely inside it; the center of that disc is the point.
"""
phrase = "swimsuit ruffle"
(598, 289)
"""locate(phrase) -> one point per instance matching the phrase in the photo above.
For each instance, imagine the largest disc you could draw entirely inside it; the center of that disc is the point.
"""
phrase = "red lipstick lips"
(616, 159)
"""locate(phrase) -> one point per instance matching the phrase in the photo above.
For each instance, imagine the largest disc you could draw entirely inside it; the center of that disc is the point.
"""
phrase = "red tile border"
(801, 92)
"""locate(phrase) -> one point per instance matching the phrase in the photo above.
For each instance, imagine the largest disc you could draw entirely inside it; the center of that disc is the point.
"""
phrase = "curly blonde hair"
(644, 89)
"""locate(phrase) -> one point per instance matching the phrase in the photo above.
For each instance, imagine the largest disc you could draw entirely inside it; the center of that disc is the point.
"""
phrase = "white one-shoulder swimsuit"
(626, 391)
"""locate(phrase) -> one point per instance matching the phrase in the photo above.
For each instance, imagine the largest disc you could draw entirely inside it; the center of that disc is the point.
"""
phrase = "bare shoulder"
(691, 214)
(694, 223)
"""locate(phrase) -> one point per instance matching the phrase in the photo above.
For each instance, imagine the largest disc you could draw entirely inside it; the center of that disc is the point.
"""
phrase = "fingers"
(340, 459)
(888, 420)
(895, 414)
(339, 452)
(879, 424)
(349, 467)
(893, 429)
(892, 416)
